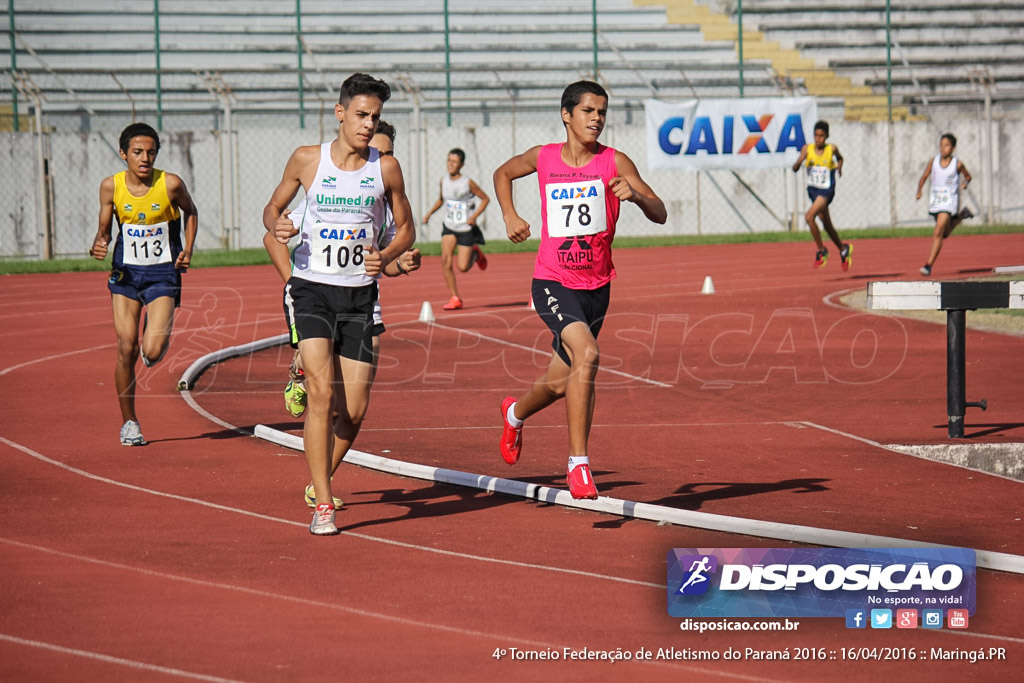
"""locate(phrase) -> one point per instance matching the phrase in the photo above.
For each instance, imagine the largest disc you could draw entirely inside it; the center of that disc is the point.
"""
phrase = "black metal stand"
(956, 373)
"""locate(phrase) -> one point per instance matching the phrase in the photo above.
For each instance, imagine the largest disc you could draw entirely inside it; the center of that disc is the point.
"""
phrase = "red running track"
(189, 558)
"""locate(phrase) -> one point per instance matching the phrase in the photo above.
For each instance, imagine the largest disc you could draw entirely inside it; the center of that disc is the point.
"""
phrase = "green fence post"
(447, 67)
(888, 57)
(739, 16)
(14, 63)
(156, 43)
(298, 49)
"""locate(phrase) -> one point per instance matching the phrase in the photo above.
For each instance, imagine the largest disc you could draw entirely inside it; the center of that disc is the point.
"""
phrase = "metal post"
(990, 179)
(14, 63)
(956, 369)
(593, 15)
(739, 16)
(888, 56)
(417, 126)
(43, 220)
(156, 43)
(298, 49)
(236, 184)
(447, 68)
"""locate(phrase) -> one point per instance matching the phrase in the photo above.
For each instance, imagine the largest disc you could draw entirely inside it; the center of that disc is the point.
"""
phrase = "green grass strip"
(251, 257)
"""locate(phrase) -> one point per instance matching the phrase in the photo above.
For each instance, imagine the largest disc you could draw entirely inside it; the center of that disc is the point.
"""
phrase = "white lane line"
(701, 520)
(12, 368)
(501, 638)
(351, 534)
(655, 513)
(891, 449)
(545, 353)
(130, 663)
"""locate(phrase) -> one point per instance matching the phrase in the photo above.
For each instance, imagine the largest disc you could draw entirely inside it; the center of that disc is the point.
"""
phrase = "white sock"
(512, 419)
(145, 361)
(577, 460)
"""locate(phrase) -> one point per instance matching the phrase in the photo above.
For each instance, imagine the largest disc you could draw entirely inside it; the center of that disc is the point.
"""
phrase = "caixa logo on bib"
(808, 582)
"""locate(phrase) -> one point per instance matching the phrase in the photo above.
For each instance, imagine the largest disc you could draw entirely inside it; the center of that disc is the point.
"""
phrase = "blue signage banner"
(766, 132)
(818, 582)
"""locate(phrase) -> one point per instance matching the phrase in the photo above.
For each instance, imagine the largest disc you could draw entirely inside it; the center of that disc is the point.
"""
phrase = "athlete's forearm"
(653, 208)
(191, 229)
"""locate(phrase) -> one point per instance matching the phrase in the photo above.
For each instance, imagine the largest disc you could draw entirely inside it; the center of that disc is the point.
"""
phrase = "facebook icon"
(856, 618)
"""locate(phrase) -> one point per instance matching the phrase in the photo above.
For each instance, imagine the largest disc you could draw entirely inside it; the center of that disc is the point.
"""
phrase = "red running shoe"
(581, 482)
(453, 304)
(511, 438)
(481, 260)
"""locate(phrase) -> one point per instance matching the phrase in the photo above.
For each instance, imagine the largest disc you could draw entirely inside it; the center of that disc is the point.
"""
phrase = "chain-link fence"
(235, 89)
(232, 174)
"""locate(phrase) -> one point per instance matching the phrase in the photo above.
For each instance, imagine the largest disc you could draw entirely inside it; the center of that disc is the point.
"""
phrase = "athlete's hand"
(410, 260)
(183, 261)
(918, 193)
(621, 188)
(98, 250)
(373, 261)
(285, 229)
(517, 229)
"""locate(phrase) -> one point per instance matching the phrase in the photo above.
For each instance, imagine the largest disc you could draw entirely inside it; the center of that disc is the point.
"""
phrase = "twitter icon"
(881, 618)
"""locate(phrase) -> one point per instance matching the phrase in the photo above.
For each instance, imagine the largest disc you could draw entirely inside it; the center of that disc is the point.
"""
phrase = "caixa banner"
(817, 582)
(766, 132)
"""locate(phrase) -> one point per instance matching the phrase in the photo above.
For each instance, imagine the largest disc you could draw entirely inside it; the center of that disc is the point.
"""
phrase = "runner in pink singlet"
(582, 184)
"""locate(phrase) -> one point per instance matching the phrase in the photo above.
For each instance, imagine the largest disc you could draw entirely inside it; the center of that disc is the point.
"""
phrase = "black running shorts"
(343, 314)
(559, 306)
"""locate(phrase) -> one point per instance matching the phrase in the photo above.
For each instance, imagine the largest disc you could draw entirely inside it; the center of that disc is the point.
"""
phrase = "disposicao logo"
(696, 581)
(811, 582)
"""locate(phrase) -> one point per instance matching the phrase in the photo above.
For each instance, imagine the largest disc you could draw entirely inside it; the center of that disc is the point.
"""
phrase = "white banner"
(766, 132)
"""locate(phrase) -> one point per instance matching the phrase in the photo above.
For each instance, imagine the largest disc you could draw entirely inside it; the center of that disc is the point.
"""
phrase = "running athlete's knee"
(319, 396)
(154, 351)
(586, 355)
(127, 350)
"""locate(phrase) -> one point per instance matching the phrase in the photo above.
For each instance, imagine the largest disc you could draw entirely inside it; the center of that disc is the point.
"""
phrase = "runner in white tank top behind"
(330, 294)
(945, 171)
(464, 202)
(582, 184)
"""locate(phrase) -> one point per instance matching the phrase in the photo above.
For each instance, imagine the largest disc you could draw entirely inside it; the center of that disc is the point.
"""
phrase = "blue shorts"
(558, 306)
(144, 285)
(815, 192)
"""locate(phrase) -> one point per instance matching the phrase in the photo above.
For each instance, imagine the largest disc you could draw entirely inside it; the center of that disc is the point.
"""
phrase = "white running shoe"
(131, 434)
(323, 521)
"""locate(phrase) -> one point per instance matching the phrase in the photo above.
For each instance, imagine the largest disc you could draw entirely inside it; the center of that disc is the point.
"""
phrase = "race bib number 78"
(575, 208)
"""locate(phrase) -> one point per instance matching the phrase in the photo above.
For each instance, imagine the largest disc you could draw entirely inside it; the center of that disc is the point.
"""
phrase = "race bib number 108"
(340, 249)
(575, 208)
